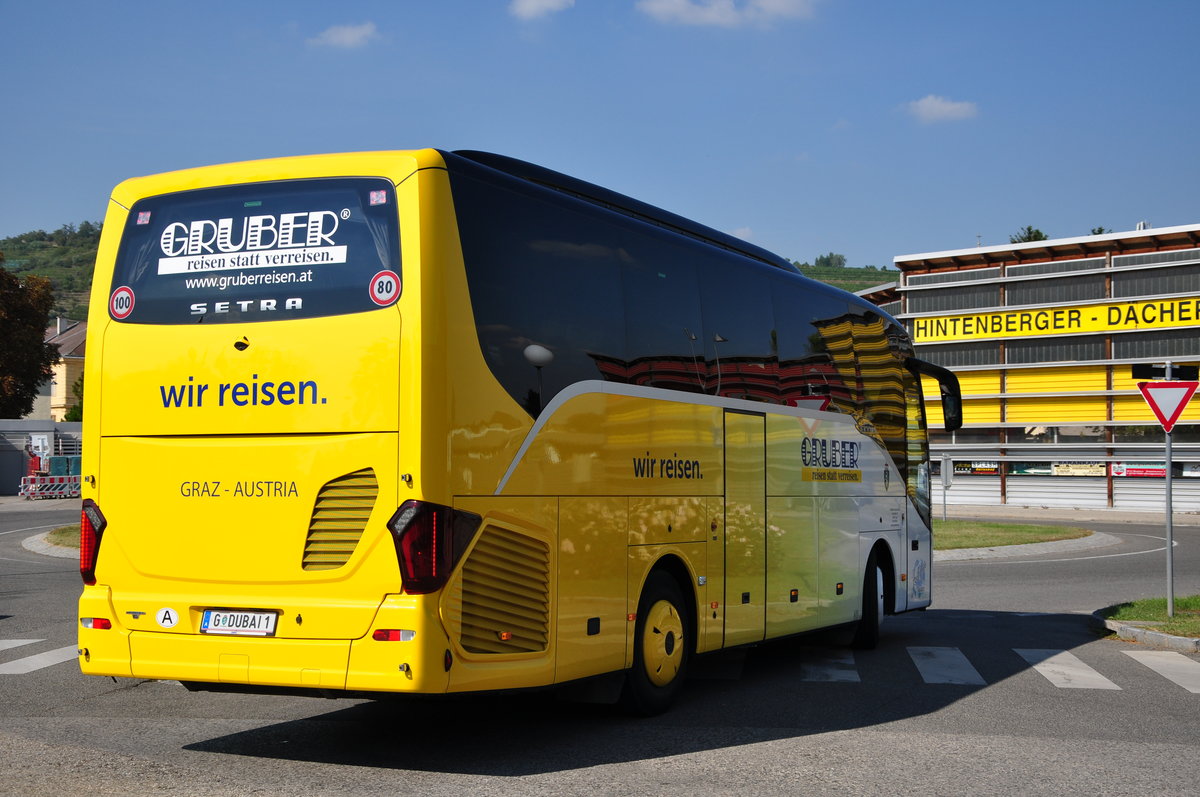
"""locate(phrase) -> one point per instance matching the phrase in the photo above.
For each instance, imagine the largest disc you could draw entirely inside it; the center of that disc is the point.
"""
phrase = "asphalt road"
(1002, 688)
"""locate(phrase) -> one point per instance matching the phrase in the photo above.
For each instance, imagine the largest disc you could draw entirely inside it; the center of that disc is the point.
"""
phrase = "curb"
(37, 544)
(1146, 636)
(1097, 539)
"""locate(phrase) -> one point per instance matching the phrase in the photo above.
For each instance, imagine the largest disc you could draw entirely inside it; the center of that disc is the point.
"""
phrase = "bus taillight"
(430, 539)
(91, 529)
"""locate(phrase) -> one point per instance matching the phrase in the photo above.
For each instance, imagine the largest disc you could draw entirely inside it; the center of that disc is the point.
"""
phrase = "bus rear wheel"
(661, 648)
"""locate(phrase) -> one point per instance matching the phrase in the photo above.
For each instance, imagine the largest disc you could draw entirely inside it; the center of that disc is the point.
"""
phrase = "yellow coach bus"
(428, 422)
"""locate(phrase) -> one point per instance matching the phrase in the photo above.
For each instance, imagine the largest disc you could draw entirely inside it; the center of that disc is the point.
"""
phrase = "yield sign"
(1168, 399)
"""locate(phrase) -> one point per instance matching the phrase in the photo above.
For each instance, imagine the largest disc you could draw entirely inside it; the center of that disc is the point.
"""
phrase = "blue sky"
(872, 129)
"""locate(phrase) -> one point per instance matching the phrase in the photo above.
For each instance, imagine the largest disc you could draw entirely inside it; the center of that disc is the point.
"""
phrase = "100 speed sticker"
(120, 304)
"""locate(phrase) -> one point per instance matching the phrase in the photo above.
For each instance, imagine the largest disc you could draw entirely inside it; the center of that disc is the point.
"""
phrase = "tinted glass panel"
(1055, 349)
(259, 252)
(1055, 290)
(1159, 343)
(954, 299)
(740, 338)
(808, 334)
(541, 273)
(664, 334)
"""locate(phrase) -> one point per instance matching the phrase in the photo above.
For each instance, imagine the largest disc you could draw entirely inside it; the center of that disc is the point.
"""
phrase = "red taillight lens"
(96, 623)
(91, 530)
(393, 635)
(430, 539)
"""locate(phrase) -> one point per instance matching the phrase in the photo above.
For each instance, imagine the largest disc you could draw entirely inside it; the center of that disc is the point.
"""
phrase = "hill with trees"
(66, 257)
(832, 270)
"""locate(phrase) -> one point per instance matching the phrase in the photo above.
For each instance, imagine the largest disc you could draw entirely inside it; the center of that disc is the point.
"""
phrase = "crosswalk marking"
(1064, 669)
(37, 662)
(6, 644)
(830, 666)
(945, 666)
(1175, 667)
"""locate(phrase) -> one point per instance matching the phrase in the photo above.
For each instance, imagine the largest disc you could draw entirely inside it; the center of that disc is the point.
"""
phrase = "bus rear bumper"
(403, 661)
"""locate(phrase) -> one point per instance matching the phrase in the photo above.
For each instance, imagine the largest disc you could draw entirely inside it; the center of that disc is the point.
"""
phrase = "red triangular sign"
(1168, 399)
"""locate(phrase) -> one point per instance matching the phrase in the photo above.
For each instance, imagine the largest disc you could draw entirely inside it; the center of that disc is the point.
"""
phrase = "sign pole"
(1170, 521)
(1168, 400)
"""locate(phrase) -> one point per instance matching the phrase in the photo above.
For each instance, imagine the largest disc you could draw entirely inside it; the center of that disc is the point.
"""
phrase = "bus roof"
(622, 204)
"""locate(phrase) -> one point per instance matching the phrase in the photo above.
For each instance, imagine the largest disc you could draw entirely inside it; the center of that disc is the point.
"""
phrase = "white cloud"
(346, 37)
(932, 108)
(726, 13)
(532, 9)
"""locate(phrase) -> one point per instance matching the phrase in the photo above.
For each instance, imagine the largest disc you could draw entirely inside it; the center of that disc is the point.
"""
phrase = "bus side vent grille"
(506, 594)
(339, 516)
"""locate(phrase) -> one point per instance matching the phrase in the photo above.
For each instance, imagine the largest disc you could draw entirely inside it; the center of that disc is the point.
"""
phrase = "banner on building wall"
(1070, 320)
(1079, 469)
(1140, 469)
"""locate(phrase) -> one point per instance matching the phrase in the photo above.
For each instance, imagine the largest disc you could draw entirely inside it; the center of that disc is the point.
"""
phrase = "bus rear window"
(259, 252)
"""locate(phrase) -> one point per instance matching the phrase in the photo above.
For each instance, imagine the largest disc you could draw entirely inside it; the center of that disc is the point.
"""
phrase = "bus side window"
(740, 338)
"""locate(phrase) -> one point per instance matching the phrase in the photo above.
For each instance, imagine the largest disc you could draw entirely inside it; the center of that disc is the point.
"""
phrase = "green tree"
(1028, 234)
(1099, 231)
(831, 260)
(75, 413)
(25, 357)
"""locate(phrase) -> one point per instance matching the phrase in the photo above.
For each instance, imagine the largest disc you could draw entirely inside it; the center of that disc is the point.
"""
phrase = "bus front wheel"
(661, 647)
(866, 634)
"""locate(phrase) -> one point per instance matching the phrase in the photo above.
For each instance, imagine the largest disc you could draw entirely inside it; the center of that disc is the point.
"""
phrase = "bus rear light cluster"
(393, 635)
(96, 623)
(430, 539)
(91, 530)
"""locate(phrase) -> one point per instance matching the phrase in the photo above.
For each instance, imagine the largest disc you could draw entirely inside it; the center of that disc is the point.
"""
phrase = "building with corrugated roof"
(1043, 336)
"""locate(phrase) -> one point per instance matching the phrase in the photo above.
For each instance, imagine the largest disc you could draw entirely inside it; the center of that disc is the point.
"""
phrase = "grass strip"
(1152, 613)
(951, 534)
(66, 536)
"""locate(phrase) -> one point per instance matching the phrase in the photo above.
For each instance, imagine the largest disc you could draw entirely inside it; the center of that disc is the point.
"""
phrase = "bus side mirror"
(947, 385)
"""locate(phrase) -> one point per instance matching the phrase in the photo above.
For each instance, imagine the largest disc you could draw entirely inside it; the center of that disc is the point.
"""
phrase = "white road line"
(6, 644)
(1175, 667)
(945, 666)
(829, 666)
(47, 659)
(1063, 669)
(32, 528)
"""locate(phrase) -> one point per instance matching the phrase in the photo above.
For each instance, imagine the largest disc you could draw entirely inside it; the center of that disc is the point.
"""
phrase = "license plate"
(238, 623)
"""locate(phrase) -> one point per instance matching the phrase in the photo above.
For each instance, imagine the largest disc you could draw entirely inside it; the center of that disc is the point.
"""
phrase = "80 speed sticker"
(385, 288)
(120, 304)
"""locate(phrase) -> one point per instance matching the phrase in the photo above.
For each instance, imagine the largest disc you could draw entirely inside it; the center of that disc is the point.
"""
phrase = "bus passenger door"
(745, 528)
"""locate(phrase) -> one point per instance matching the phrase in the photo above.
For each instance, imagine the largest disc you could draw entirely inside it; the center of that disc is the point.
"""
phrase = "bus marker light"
(96, 623)
(714, 605)
(904, 576)
(631, 618)
(505, 636)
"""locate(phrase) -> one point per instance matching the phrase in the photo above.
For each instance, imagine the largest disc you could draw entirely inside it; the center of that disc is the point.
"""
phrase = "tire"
(866, 634)
(661, 648)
